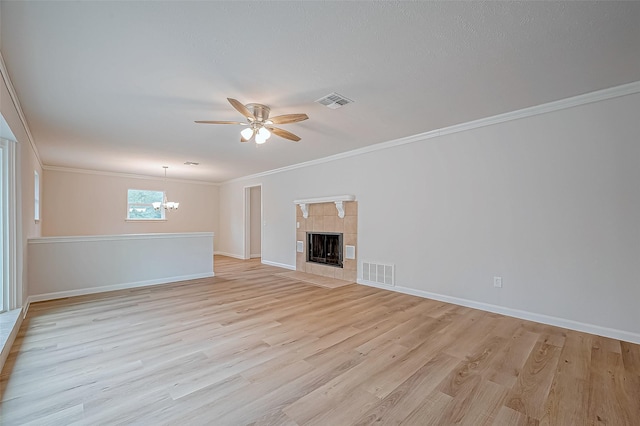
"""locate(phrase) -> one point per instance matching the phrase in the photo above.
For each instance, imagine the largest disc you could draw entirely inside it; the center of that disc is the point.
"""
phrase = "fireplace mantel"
(337, 199)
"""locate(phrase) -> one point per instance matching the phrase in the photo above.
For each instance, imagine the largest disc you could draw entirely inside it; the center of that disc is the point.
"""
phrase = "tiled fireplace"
(324, 218)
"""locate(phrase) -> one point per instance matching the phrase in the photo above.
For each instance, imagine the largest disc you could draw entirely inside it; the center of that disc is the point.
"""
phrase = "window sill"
(9, 321)
(145, 220)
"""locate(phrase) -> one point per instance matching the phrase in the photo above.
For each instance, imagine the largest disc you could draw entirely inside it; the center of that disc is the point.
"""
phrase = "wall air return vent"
(378, 274)
(334, 100)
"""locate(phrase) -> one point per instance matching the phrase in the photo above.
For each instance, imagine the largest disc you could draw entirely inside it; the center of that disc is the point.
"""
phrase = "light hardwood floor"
(247, 347)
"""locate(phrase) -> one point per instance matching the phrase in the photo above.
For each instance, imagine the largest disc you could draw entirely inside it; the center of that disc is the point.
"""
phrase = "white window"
(10, 293)
(36, 195)
(140, 204)
(3, 179)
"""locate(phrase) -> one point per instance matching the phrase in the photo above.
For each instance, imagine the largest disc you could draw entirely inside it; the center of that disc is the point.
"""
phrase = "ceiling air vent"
(334, 100)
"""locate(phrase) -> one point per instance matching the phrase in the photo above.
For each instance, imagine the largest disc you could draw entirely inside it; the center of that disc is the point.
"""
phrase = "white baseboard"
(235, 256)
(627, 336)
(25, 308)
(375, 284)
(279, 265)
(253, 256)
(123, 286)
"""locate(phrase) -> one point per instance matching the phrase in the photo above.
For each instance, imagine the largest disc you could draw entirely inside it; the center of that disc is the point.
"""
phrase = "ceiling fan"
(260, 125)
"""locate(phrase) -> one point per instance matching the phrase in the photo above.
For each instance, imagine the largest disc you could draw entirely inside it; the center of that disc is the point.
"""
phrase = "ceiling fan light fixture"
(264, 133)
(260, 139)
(247, 133)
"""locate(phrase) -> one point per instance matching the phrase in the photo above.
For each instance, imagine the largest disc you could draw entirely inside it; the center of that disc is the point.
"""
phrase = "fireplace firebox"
(324, 248)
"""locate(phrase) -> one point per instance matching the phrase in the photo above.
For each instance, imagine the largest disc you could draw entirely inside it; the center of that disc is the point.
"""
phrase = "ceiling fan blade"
(288, 118)
(241, 109)
(283, 133)
(220, 122)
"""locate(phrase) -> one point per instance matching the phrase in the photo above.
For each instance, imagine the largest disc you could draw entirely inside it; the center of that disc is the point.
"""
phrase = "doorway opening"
(253, 222)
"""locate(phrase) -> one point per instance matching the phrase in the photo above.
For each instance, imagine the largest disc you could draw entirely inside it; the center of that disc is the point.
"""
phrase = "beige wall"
(86, 203)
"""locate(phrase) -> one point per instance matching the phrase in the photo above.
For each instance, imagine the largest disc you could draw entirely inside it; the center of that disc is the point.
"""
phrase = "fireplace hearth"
(325, 248)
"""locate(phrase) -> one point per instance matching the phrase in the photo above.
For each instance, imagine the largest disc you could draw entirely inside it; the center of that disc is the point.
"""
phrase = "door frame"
(247, 222)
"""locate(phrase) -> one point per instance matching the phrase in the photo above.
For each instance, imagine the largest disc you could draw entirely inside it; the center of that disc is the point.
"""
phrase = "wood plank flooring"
(249, 347)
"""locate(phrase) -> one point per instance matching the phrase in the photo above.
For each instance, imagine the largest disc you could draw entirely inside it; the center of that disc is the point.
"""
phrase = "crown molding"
(125, 175)
(18, 107)
(574, 101)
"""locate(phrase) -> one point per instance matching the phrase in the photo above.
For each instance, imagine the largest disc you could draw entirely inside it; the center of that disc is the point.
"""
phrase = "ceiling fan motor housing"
(260, 111)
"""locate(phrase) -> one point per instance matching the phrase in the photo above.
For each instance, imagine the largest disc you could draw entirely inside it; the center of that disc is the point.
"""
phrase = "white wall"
(27, 162)
(71, 266)
(551, 203)
(79, 203)
(255, 219)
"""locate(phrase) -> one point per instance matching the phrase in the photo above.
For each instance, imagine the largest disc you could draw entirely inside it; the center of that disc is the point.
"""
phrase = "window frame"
(10, 279)
(162, 217)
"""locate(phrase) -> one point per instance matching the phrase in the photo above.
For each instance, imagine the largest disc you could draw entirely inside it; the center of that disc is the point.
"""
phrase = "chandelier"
(167, 205)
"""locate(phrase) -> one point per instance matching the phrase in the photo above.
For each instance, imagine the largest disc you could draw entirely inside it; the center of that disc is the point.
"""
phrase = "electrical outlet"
(497, 282)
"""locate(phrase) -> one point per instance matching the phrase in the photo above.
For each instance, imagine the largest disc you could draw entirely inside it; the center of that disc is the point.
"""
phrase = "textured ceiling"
(116, 86)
